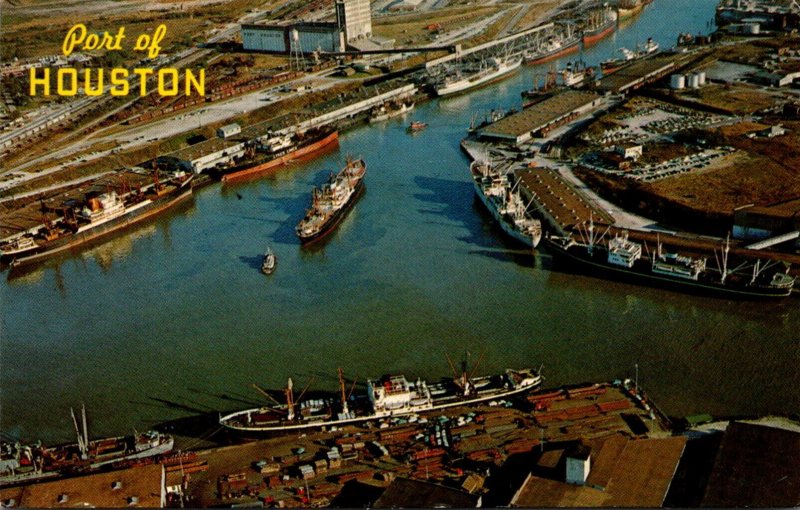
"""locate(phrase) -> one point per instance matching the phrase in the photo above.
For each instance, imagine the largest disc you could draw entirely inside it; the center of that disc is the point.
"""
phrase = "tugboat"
(416, 126)
(332, 202)
(270, 260)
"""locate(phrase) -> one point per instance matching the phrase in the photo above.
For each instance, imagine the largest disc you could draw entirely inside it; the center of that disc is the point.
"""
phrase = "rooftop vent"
(133, 501)
(62, 498)
(116, 485)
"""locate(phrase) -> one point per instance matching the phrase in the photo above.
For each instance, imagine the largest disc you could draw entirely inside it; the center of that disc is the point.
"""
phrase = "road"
(166, 128)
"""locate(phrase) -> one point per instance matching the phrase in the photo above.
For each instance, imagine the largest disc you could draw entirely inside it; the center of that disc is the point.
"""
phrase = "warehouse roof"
(624, 473)
(540, 115)
(406, 493)
(201, 149)
(134, 487)
(756, 466)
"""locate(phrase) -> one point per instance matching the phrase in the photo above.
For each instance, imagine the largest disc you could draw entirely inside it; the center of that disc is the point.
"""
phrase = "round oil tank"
(701, 75)
(694, 81)
(677, 81)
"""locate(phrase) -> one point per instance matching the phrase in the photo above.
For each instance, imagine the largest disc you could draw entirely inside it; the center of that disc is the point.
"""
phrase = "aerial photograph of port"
(399, 253)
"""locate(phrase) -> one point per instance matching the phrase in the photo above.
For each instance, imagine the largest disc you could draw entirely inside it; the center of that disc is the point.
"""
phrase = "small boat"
(416, 126)
(270, 260)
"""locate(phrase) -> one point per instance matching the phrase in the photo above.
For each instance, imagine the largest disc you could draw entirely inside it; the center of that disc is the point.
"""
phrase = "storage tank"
(693, 81)
(677, 81)
(701, 75)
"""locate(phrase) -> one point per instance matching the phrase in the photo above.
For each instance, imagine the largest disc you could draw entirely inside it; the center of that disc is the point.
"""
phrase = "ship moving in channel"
(622, 258)
(499, 193)
(331, 203)
(32, 463)
(98, 214)
(389, 396)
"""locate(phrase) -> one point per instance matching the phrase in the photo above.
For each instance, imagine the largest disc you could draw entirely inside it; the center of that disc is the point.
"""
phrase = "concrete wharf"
(561, 205)
(447, 447)
(640, 73)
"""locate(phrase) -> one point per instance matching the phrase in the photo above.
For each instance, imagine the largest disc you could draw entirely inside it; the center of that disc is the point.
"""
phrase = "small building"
(773, 131)
(229, 130)
(775, 79)
(579, 461)
(629, 150)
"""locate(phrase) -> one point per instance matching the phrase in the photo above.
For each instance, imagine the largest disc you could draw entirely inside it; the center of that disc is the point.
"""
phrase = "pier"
(560, 204)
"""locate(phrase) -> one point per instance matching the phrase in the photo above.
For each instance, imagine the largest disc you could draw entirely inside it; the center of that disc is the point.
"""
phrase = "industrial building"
(353, 24)
(137, 487)
(756, 466)
(753, 223)
(541, 117)
(609, 472)
(355, 18)
(208, 154)
(285, 37)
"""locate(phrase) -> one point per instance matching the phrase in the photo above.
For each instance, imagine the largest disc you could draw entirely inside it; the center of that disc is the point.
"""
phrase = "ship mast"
(344, 397)
(81, 446)
(725, 252)
(289, 400)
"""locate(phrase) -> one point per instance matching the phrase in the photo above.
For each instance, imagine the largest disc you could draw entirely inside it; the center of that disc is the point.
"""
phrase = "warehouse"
(279, 37)
(541, 117)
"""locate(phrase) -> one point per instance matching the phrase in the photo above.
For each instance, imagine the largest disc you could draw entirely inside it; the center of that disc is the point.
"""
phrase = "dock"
(559, 203)
(450, 448)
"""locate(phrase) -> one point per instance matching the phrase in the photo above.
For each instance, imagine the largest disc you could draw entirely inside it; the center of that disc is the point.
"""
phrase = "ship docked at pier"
(387, 397)
(21, 464)
(601, 22)
(499, 193)
(98, 214)
(555, 46)
(330, 204)
(275, 151)
(465, 77)
(623, 258)
(628, 57)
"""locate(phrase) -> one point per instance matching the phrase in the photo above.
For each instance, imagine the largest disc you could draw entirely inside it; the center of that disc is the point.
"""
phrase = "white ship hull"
(530, 241)
(471, 82)
(230, 421)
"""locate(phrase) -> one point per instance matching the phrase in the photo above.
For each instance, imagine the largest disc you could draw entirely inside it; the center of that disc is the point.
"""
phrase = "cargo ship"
(554, 47)
(21, 464)
(388, 396)
(466, 77)
(601, 23)
(275, 151)
(97, 215)
(499, 193)
(615, 64)
(332, 202)
(620, 257)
